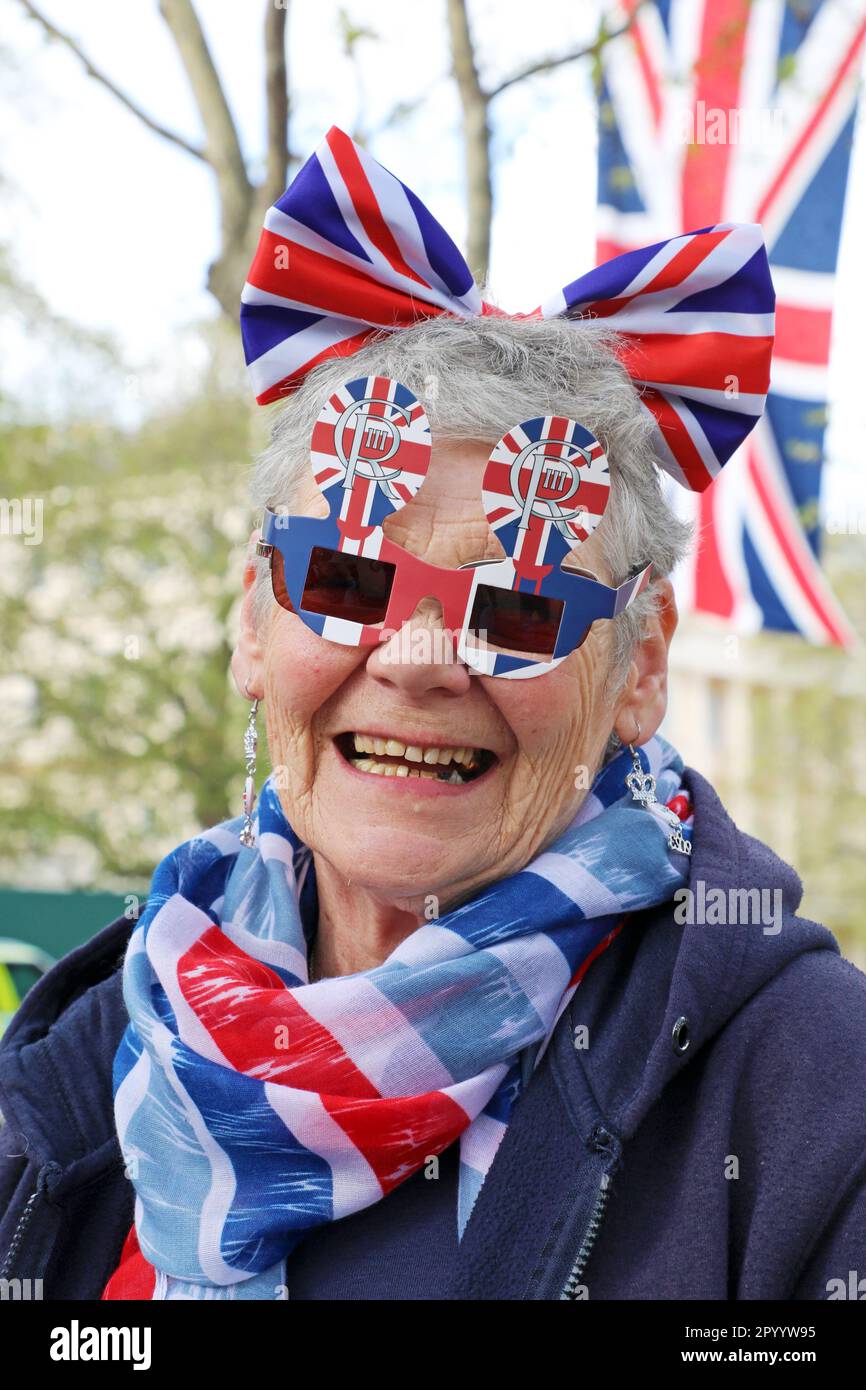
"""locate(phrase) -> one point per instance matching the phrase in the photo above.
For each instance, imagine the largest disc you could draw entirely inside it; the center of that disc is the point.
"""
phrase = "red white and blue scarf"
(253, 1107)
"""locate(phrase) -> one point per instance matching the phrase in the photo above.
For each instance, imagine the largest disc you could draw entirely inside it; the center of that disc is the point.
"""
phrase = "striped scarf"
(252, 1107)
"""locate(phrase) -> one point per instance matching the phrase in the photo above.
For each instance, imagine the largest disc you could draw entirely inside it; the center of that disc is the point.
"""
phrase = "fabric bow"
(349, 249)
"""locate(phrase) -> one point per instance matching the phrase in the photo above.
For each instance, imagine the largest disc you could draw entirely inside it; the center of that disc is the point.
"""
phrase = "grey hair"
(475, 378)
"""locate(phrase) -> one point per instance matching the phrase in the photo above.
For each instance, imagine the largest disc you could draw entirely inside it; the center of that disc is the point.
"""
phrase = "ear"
(248, 656)
(644, 697)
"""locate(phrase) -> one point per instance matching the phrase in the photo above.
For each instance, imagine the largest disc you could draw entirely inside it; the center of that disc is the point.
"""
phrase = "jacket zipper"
(573, 1281)
(602, 1141)
(24, 1219)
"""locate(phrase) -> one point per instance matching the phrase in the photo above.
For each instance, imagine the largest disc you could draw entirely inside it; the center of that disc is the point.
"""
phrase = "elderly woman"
(435, 1018)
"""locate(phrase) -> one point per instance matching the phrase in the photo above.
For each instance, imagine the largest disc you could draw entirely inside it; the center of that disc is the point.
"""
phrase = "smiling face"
(358, 731)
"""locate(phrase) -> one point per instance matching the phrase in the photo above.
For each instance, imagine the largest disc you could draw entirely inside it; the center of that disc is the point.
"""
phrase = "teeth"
(400, 770)
(428, 758)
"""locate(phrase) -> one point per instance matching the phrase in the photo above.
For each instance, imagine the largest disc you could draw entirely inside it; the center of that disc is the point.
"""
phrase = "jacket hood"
(650, 1009)
(648, 1005)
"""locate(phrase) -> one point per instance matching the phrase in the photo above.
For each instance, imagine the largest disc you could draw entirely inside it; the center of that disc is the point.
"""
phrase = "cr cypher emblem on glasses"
(545, 490)
(370, 452)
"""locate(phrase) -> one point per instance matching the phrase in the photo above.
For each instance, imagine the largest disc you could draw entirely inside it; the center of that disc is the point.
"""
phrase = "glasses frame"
(538, 523)
(585, 598)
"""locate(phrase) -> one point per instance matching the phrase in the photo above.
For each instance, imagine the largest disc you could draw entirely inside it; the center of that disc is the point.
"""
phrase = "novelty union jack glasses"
(544, 491)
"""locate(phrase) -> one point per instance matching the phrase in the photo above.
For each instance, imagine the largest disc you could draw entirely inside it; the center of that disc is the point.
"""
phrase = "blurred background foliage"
(122, 723)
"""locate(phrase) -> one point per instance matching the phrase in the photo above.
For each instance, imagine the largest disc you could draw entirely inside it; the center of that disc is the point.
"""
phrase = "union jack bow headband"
(349, 249)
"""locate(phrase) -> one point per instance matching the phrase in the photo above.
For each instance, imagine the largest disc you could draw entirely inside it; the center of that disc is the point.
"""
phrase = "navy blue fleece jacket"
(705, 1138)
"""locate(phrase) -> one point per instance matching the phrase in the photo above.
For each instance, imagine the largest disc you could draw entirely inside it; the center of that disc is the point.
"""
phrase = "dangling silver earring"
(251, 743)
(642, 786)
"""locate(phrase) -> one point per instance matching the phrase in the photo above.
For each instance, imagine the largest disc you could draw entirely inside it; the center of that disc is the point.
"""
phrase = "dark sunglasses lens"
(347, 586)
(527, 624)
(278, 580)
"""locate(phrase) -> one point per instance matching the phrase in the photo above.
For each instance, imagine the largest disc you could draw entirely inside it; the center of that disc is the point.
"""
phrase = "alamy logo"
(761, 127)
(76, 1343)
(18, 1289)
(720, 907)
(22, 516)
(854, 1289)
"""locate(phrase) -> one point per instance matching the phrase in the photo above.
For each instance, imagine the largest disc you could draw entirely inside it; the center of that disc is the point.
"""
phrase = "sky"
(115, 227)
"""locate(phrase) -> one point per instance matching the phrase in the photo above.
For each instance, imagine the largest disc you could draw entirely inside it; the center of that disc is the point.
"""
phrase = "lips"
(388, 756)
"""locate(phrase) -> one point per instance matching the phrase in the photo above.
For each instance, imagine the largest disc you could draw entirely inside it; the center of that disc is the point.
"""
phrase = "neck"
(357, 930)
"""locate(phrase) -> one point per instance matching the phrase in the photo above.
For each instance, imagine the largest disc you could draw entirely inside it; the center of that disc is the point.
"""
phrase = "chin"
(396, 862)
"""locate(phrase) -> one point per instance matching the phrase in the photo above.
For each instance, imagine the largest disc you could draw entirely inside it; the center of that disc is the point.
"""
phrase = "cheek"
(563, 712)
(549, 708)
(301, 672)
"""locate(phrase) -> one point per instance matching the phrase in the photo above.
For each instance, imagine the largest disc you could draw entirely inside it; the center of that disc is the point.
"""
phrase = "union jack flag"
(743, 110)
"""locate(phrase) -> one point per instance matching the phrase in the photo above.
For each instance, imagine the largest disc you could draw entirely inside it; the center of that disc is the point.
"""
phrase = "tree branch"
(277, 102)
(539, 65)
(222, 145)
(476, 136)
(223, 150)
(590, 50)
(52, 32)
(475, 102)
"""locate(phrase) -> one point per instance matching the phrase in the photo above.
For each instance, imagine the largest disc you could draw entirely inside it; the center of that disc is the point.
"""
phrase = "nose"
(419, 656)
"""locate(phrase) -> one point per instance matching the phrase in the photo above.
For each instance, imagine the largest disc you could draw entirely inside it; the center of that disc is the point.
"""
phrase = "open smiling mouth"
(390, 757)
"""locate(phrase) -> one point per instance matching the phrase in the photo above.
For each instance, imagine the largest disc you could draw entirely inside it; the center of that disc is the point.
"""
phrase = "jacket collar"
(662, 969)
(540, 1199)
